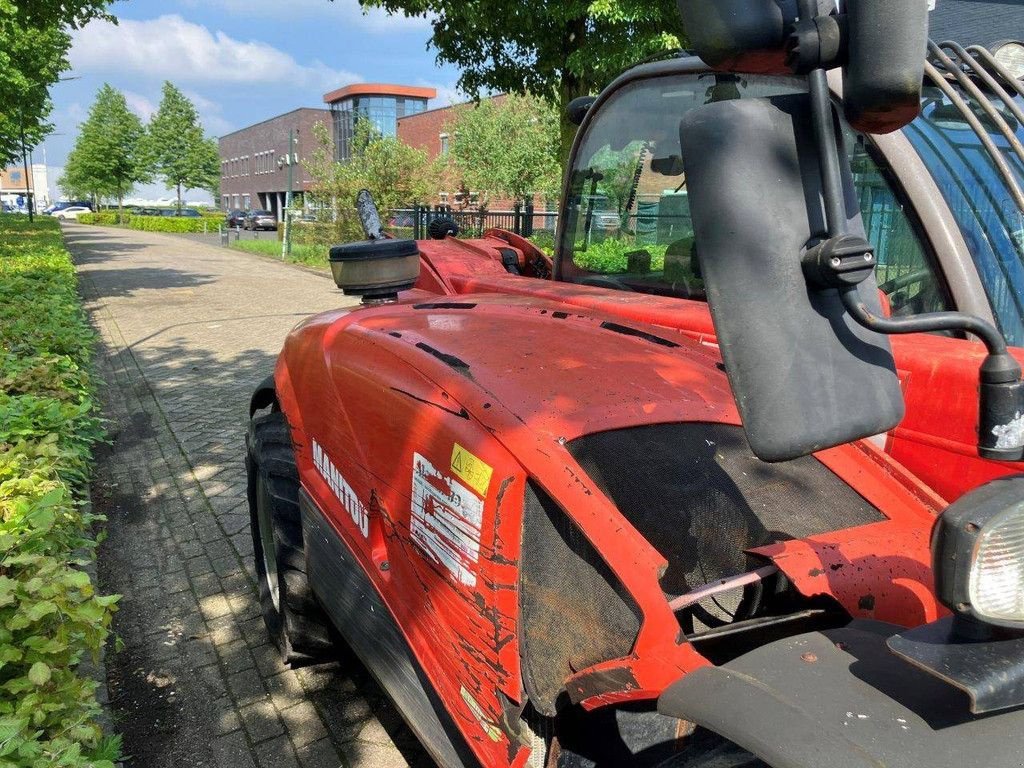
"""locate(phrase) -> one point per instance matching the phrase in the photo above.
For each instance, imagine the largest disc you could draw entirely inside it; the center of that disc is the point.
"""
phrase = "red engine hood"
(557, 370)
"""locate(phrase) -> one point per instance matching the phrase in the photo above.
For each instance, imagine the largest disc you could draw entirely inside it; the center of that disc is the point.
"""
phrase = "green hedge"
(50, 615)
(611, 256)
(175, 224)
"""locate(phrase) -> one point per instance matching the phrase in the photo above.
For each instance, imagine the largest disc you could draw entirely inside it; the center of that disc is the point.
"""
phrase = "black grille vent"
(699, 495)
(574, 611)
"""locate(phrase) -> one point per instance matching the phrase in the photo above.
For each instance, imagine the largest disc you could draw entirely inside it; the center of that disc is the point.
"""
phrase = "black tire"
(709, 750)
(294, 618)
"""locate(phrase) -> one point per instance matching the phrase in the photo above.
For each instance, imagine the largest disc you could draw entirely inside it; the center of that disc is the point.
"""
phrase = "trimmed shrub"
(50, 615)
(544, 240)
(173, 224)
(612, 256)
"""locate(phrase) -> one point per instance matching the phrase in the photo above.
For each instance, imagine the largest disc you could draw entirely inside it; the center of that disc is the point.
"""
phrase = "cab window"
(629, 223)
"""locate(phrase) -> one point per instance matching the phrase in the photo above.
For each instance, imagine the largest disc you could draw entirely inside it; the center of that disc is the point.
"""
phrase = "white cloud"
(211, 114)
(169, 47)
(447, 94)
(77, 112)
(139, 104)
(347, 12)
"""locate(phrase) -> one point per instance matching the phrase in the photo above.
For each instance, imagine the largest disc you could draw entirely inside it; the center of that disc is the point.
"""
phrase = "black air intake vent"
(700, 497)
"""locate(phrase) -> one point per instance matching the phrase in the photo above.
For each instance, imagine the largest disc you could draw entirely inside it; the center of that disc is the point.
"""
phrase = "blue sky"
(240, 61)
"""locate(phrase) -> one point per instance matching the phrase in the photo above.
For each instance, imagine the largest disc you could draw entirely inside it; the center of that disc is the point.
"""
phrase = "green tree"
(507, 147)
(108, 157)
(396, 174)
(557, 49)
(34, 42)
(176, 147)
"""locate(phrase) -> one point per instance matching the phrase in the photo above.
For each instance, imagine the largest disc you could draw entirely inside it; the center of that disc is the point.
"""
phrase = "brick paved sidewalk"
(186, 331)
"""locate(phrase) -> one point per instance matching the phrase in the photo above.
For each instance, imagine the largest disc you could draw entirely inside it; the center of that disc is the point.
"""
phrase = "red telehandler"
(681, 495)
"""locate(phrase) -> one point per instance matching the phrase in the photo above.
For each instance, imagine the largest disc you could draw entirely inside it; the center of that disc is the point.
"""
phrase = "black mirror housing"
(805, 375)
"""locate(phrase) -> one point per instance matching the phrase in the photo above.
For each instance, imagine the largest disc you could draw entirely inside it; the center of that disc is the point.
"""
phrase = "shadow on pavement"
(197, 683)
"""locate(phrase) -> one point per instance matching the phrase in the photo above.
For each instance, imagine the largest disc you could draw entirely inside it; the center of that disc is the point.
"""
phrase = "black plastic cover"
(990, 671)
(805, 375)
(839, 699)
(888, 45)
(742, 35)
(368, 250)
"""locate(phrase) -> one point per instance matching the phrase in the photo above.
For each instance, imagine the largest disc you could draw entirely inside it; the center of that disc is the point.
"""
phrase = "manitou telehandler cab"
(680, 496)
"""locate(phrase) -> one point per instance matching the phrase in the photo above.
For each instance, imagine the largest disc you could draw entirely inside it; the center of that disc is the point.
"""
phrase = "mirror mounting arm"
(1001, 412)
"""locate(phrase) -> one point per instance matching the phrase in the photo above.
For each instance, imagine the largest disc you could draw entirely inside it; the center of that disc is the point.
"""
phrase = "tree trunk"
(179, 198)
(569, 88)
(120, 207)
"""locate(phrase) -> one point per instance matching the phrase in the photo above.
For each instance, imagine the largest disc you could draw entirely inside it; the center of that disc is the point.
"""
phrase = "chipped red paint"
(513, 371)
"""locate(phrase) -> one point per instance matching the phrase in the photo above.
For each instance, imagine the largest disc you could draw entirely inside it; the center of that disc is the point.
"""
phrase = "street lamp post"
(24, 161)
(286, 244)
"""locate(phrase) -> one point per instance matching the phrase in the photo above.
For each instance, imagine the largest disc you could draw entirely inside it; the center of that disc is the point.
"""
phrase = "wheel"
(709, 750)
(294, 618)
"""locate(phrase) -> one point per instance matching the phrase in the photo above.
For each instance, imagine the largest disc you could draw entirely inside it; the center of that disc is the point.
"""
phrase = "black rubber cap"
(366, 250)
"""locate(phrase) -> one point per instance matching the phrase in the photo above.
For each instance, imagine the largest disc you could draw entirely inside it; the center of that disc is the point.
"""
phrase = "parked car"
(403, 220)
(65, 204)
(255, 220)
(71, 212)
(236, 218)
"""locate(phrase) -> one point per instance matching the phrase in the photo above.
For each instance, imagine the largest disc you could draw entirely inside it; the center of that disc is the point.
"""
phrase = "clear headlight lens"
(996, 585)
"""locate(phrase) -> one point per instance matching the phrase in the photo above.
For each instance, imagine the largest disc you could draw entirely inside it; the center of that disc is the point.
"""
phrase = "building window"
(226, 202)
(444, 144)
(235, 199)
(246, 202)
(382, 113)
(442, 197)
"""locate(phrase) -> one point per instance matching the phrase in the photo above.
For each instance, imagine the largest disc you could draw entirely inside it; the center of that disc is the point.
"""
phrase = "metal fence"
(522, 219)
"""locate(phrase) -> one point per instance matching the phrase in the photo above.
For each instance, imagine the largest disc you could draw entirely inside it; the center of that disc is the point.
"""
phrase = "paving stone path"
(186, 331)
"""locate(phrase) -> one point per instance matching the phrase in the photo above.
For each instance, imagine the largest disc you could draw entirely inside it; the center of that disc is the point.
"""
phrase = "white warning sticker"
(446, 520)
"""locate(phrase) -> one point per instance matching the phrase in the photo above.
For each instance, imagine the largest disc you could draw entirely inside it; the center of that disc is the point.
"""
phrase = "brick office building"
(253, 172)
(430, 131)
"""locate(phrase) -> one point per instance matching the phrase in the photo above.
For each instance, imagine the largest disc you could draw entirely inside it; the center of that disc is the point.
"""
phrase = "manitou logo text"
(342, 490)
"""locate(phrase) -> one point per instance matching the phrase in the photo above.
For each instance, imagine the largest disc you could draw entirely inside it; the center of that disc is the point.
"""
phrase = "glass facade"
(382, 113)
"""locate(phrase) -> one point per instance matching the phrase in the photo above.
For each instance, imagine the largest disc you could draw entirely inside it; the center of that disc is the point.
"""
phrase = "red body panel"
(938, 438)
(516, 368)
(395, 398)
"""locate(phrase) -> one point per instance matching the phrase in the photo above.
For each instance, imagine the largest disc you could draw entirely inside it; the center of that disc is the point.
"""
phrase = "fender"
(264, 396)
(840, 698)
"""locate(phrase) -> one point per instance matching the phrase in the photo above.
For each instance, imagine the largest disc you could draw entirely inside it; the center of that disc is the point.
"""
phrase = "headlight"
(978, 552)
(1011, 55)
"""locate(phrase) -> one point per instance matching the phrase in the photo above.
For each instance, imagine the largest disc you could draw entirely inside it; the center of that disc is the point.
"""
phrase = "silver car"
(260, 220)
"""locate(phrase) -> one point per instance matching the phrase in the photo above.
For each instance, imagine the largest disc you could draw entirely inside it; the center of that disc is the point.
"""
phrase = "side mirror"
(742, 35)
(806, 376)
(881, 45)
(884, 73)
(578, 108)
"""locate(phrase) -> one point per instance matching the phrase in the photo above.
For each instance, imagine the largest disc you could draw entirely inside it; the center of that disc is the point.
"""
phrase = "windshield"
(979, 197)
(629, 226)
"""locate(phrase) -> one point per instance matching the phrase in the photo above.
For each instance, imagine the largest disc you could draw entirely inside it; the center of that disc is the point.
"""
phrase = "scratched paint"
(446, 521)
